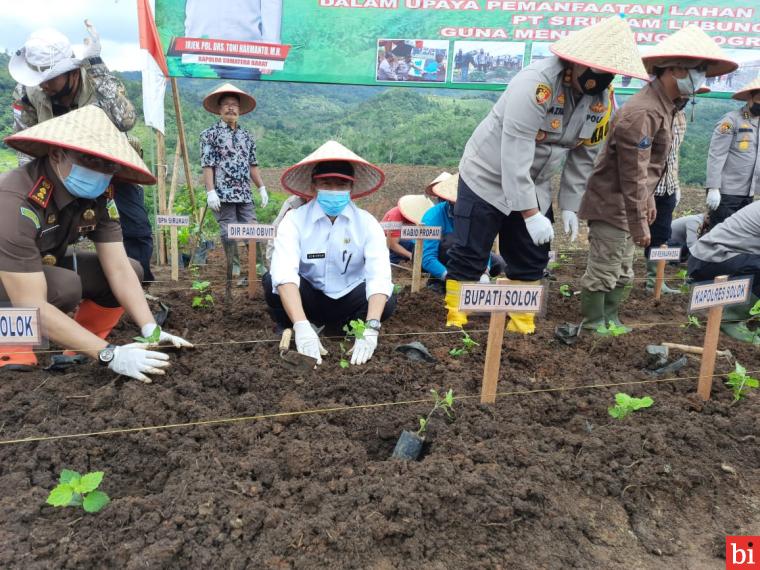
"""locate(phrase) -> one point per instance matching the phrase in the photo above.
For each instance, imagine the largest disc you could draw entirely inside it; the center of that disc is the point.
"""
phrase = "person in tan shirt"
(619, 199)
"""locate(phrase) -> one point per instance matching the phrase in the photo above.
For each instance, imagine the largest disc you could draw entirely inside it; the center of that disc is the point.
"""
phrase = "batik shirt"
(231, 153)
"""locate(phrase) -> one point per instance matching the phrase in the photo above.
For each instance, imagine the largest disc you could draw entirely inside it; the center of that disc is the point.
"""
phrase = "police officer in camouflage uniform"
(554, 109)
(733, 164)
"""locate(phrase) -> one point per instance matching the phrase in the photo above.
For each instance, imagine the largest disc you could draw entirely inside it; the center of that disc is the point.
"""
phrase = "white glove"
(485, 278)
(164, 337)
(678, 196)
(570, 223)
(713, 198)
(307, 341)
(91, 44)
(134, 361)
(364, 348)
(539, 228)
(264, 196)
(213, 201)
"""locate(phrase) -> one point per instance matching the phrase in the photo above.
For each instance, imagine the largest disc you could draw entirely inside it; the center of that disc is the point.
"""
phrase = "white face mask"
(688, 85)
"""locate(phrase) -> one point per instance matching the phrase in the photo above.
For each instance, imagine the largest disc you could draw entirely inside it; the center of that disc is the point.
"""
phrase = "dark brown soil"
(538, 480)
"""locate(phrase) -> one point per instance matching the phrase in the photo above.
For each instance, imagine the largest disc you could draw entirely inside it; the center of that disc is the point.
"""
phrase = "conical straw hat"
(447, 190)
(211, 102)
(87, 130)
(440, 178)
(745, 92)
(367, 177)
(414, 206)
(607, 45)
(690, 43)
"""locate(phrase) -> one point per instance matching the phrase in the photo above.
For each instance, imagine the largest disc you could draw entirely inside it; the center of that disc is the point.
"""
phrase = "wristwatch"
(374, 324)
(105, 356)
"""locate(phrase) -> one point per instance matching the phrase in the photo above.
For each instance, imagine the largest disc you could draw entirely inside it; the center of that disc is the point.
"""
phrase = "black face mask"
(755, 109)
(66, 89)
(593, 83)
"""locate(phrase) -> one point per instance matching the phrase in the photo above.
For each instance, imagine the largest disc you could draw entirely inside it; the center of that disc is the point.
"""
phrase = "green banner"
(470, 44)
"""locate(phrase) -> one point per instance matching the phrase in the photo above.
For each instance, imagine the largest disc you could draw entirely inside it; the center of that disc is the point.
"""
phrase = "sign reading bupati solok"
(171, 220)
(494, 297)
(251, 231)
(421, 232)
(665, 254)
(731, 292)
(20, 326)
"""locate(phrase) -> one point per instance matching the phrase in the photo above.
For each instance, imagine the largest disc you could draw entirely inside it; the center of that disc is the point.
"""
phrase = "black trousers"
(742, 265)
(660, 229)
(138, 236)
(321, 309)
(476, 224)
(729, 205)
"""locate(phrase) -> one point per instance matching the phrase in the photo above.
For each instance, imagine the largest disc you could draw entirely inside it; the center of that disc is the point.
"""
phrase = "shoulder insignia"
(555, 124)
(597, 107)
(51, 219)
(41, 192)
(561, 99)
(540, 135)
(644, 143)
(543, 93)
(113, 211)
(724, 128)
(31, 215)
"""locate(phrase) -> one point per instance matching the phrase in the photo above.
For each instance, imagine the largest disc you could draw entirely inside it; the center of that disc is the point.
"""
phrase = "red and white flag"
(154, 71)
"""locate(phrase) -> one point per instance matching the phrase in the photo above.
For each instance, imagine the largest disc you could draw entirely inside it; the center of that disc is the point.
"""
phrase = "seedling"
(692, 322)
(625, 404)
(683, 275)
(204, 299)
(554, 265)
(467, 346)
(152, 339)
(75, 490)
(740, 383)
(755, 310)
(397, 289)
(444, 404)
(565, 290)
(355, 328)
(611, 329)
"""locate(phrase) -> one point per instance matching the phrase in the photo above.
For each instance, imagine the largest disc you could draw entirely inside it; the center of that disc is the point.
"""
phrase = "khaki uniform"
(39, 219)
(733, 163)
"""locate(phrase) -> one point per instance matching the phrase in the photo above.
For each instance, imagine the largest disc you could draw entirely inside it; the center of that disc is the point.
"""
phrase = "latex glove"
(134, 361)
(264, 196)
(678, 196)
(539, 228)
(364, 348)
(92, 44)
(485, 278)
(570, 223)
(713, 198)
(307, 340)
(165, 337)
(213, 201)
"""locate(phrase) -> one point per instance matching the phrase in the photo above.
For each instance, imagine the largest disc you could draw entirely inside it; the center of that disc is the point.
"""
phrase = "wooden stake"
(417, 266)
(252, 273)
(161, 187)
(712, 332)
(493, 354)
(660, 279)
(174, 253)
(175, 181)
(183, 147)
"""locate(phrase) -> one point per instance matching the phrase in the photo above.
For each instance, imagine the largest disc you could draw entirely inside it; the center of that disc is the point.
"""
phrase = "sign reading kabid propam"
(171, 220)
(20, 326)
(251, 231)
(665, 254)
(421, 232)
(716, 294)
(493, 297)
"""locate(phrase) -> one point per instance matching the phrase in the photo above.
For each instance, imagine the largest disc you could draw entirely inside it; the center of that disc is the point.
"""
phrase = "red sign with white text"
(742, 552)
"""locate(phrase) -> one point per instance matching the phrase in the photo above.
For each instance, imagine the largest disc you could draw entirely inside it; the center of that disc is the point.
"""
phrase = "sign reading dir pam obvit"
(20, 326)
(709, 295)
(251, 231)
(496, 297)
(421, 232)
(665, 254)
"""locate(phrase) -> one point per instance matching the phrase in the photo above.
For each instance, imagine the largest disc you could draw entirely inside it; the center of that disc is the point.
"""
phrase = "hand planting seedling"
(740, 383)
(565, 290)
(445, 404)
(625, 404)
(75, 490)
(204, 299)
(467, 345)
(611, 329)
(692, 322)
(152, 339)
(355, 328)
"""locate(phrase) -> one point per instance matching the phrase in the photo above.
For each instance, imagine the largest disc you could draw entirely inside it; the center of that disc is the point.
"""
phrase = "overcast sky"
(115, 20)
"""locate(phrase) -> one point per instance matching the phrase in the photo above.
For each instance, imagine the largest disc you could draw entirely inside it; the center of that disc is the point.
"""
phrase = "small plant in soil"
(445, 404)
(554, 265)
(75, 490)
(467, 345)
(354, 329)
(683, 275)
(611, 329)
(397, 289)
(692, 322)
(740, 382)
(565, 290)
(625, 404)
(204, 299)
(152, 339)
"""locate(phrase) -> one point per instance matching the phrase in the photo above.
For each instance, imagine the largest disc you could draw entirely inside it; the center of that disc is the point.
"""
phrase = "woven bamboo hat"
(440, 178)
(689, 44)
(746, 92)
(212, 100)
(447, 190)
(367, 177)
(87, 130)
(414, 206)
(607, 45)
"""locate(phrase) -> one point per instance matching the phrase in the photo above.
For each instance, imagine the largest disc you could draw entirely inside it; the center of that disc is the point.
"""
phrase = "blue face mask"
(83, 182)
(333, 201)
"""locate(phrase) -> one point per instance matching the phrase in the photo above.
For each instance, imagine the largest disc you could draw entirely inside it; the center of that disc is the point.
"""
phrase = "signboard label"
(421, 232)
(493, 297)
(390, 226)
(665, 253)
(552, 256)
(251, 231)
(20, 326)
(716, 294)
(172, 220)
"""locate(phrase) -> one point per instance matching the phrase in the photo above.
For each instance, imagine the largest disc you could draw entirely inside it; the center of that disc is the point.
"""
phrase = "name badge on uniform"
(315, 256)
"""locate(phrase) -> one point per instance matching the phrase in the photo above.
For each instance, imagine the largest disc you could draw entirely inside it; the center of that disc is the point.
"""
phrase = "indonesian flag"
(154, 71)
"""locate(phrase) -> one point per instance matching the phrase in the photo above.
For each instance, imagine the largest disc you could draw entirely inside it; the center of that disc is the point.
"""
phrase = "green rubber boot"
(734, 322)
(592, 308)
(652, 278)
(612, 301)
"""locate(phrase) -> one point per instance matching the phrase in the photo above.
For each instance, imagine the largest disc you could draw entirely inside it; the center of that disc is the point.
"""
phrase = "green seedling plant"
(397, 289)
(354, 329)
(565, 290)
(204, 299)
(740, 382)
(75, 490)
(625, 404)
(467, 346)
(692, 322)
(445, 404)
(683, 275)
(611, 329)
